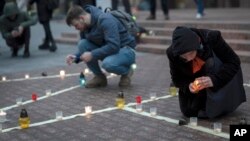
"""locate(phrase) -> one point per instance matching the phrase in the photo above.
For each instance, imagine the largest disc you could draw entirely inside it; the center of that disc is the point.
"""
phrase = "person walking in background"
(15, 28)
(200, 9)
(107, 40)
(126, 5)
(44, 15)
(164, 6)
(22, 4)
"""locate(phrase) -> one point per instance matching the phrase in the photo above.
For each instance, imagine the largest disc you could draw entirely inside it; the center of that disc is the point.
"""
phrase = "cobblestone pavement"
(151, 75)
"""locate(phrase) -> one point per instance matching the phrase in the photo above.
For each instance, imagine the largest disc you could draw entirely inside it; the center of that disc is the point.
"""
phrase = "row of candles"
(62, 73)
(139, 108)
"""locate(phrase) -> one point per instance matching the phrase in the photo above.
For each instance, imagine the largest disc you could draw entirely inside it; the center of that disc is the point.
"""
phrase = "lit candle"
(2, 116)
(88, 110)
(27, 76)
(196, 87)
(62, 74)
(134, 66)
(112, 74)
(86, 71)
(3, 78)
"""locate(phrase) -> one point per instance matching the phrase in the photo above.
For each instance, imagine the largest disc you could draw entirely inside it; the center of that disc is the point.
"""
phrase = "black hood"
(184, 40)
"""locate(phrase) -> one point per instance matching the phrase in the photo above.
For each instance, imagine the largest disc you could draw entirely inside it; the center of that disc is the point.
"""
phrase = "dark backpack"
(53, 4)
(126, 19)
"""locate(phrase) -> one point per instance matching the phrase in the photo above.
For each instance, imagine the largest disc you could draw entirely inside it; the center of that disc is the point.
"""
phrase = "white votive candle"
(88, 109)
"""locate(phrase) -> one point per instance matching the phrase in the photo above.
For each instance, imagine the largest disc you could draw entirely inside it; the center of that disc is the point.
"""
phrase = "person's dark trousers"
(164, 6)
(200, 6)
(18, 42)
(48, 38)
(192, 105)
(126, 5)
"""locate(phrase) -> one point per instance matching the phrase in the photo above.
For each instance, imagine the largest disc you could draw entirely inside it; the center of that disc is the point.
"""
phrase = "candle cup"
(3, 78)
(19, 101)
(173, 91)
(139, 107)
(62, 74)
(59, 115)
(88, 110)
(193, 121)
(133, 66)
(86, 71)
(34, 97)
(2, 116)
(152, 96)
(26, 76)
(153, 111)
(1, 127)
(217, 127)
(48, 92)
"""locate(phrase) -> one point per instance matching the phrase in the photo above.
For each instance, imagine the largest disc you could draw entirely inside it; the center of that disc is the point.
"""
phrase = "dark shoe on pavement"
(166, 17)
(150, 17)
(26, 54)
(44, 46)
(14, 52)
(52, 48)
(125, 80)
(97, 81)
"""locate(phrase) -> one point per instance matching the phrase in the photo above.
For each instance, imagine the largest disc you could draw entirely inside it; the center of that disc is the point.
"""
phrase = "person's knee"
(84, 45)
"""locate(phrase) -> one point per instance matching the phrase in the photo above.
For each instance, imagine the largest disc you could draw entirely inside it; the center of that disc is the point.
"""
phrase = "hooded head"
(10, 9)
(184, 40)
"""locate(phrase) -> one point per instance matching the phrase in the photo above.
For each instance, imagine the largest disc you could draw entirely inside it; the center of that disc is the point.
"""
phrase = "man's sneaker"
(97, 81)
(26, 54)
(150, 17)
(125, 80)
(14, 52)
(52, 48)
(44, 46)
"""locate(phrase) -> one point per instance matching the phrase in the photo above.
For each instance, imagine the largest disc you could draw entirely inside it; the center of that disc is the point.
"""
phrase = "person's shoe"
(14, 53)
(199, 16)
(166, 17)
(53, 48)
(150, 17)
(44, 46)
(97, 81)
(125, 80)
(26, 54)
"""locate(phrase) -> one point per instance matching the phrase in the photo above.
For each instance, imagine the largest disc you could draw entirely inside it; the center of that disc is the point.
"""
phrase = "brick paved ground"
(152, 75)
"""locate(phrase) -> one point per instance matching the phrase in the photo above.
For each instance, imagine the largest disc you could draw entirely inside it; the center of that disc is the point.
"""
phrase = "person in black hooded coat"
(192, 67)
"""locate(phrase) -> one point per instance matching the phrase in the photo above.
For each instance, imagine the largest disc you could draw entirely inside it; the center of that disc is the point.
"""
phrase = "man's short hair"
(74, 13)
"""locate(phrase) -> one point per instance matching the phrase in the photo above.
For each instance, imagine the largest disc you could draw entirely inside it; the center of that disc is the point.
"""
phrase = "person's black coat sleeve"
(231, 62)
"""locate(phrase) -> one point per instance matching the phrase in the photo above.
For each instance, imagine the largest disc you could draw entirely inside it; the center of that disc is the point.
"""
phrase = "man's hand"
(14, 33)
(86, 57)
(20, 30)
(70, 59)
